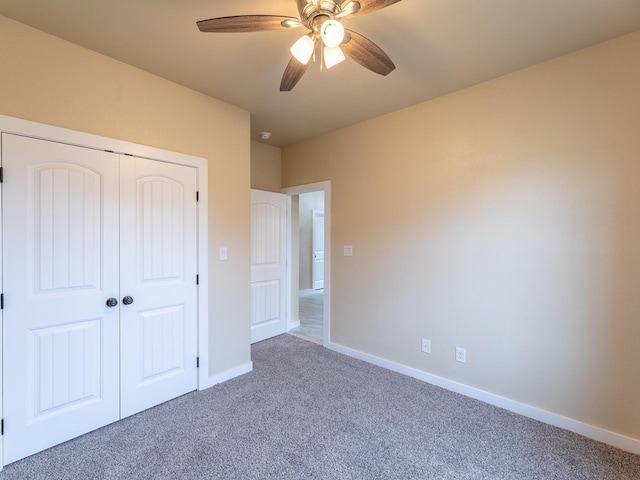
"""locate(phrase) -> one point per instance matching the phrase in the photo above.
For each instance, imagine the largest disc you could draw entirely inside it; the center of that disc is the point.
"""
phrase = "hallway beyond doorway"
(311, 305)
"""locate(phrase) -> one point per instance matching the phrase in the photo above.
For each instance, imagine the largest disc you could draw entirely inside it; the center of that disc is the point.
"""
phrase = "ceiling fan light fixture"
(333, 56)
(332, 33)
(303, 49)
(326, 40)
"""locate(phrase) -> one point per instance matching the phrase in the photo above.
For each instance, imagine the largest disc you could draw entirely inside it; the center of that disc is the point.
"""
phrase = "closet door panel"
(60, 342)
(158, 272)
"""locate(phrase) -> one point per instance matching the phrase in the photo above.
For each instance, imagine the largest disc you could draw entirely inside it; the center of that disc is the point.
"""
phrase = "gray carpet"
(307, 412)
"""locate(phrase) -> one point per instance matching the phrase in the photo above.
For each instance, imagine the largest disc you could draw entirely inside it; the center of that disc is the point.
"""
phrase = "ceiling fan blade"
(368, 6)
(367, 54)
(246, 23)
(349, 8)
(292, 74)
(291, 23)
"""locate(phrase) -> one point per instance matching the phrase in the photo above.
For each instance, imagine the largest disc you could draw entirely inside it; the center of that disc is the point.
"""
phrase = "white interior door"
(60, 339)
(317, 267)
(158, 268)
(268, 264)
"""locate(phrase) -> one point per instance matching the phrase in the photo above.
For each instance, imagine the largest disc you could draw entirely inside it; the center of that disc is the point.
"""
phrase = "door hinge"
(1, 301)
(1, 174)
(197, 196)
(198, 279)
(197, 362)
(2, 427)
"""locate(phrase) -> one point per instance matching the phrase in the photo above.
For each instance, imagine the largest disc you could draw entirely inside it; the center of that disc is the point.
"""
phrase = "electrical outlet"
(426, 345)
(461, 355)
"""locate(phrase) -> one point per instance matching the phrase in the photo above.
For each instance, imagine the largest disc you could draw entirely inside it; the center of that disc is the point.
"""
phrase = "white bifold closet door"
(158, 262)
(80, 227)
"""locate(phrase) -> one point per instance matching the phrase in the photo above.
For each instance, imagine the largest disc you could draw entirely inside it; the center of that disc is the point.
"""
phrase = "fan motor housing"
(308, 11)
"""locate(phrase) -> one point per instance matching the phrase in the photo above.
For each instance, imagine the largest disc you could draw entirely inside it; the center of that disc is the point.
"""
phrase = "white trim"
(1, 311)
(291, 322)
(292, 325)
(605, 436)
(203, 273)
(88, 140)
(289, 310)
(227, 375)
(324, 186)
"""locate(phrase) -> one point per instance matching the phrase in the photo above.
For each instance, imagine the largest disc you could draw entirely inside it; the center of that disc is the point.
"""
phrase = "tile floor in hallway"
(310, 313)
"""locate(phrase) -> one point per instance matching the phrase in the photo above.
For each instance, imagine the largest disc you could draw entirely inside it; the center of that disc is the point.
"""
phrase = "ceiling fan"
(326, 35)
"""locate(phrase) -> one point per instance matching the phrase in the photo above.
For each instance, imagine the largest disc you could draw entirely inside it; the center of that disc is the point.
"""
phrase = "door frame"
(71, 137)
(292, 291)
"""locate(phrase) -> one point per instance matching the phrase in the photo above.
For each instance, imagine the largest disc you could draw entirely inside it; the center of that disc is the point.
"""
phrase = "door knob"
(127, 300)
(112, 302)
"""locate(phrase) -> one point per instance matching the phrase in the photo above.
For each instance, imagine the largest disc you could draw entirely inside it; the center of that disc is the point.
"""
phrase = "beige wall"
(503, 219)
(265, 167)
(308, 203)
(48, 80)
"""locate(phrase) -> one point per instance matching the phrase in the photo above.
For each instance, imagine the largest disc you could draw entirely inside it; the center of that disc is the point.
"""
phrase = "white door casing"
(60, 340)
(317, 242)
(158, 268)
(1, 309)
(268, 264)
(293, 286)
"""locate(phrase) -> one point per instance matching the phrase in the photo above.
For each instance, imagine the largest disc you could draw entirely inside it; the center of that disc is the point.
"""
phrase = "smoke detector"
(265, 135)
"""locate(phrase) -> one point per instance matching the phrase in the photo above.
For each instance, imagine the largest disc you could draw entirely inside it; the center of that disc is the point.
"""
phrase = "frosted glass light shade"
(332, 56)
(303, 49)
(332, 33)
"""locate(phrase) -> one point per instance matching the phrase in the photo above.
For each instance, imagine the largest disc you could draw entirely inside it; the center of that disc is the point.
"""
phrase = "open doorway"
(309, 265)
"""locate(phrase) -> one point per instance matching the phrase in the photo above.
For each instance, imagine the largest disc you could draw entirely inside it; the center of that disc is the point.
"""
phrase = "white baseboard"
(226, 375)
(293, 325)
(605, 436)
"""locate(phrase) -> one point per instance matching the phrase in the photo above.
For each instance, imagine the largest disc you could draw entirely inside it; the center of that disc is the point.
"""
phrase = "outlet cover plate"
(461, 355)
(426, 345)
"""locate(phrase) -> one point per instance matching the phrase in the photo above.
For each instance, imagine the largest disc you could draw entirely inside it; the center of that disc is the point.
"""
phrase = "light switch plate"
(348, 250)
(224, 254)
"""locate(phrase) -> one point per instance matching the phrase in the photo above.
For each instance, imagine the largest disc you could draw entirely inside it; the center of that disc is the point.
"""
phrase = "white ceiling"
(438, 46)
